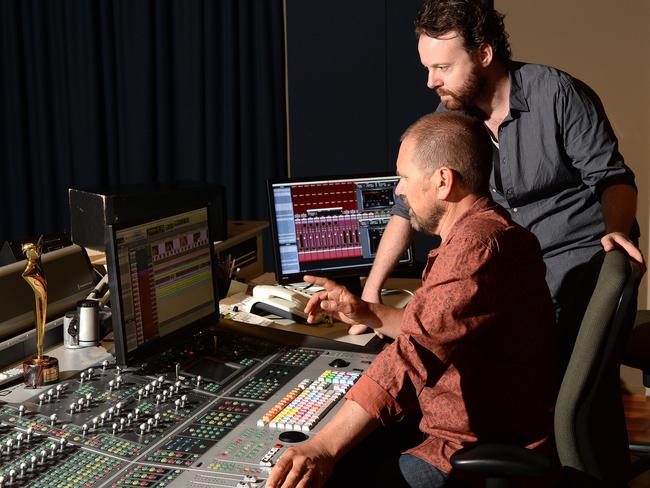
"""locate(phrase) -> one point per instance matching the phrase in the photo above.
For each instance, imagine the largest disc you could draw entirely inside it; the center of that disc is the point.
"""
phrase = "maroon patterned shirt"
(476, 354)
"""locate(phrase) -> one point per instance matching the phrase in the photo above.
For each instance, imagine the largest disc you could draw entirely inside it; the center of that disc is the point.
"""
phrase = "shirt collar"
(479, 205)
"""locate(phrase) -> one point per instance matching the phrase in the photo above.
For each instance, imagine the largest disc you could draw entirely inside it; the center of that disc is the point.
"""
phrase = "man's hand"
(337, 301)
(303, 466)
(311, 464)
(618, 240)
(370, 296)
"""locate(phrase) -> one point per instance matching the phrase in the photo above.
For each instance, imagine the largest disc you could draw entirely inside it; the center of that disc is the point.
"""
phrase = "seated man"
(474, 352)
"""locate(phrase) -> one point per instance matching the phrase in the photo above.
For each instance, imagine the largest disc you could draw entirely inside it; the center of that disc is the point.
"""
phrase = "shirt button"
(510, 192)
(494, 190)
(514, 210)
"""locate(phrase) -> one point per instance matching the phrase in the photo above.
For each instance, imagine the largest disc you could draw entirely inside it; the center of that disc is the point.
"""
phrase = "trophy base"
(40, 372)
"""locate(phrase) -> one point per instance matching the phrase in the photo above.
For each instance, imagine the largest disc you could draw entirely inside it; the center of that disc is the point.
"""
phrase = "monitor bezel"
(357, 271)
(122, 356)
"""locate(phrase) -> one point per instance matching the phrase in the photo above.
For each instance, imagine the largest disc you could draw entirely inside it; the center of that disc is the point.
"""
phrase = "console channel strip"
(118, 427)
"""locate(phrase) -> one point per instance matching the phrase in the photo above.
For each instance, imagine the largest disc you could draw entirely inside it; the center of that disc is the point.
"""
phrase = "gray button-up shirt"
(557, 153)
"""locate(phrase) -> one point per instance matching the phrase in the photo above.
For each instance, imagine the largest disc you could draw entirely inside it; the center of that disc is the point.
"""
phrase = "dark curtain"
(133, 91)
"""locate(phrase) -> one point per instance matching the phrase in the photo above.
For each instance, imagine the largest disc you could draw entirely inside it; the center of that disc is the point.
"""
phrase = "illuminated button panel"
(306, 404)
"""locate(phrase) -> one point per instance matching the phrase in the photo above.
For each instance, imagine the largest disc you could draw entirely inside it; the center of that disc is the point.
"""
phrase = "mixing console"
(217, 410)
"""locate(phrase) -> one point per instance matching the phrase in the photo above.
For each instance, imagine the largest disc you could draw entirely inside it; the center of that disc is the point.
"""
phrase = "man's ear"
(484, 54)
(445, 182)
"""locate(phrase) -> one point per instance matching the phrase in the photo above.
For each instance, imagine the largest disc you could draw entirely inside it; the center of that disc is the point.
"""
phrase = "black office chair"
(637, 353)
(590, 432)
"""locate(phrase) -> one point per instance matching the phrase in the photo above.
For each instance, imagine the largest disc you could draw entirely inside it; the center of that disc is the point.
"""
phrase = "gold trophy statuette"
(41, 370)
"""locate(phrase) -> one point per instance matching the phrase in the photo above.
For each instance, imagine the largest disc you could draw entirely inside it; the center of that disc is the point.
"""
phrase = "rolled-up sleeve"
(401, 209)
(589, 139)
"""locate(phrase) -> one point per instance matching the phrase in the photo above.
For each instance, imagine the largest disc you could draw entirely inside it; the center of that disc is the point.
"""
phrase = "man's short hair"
(457, 141)
(473, 20)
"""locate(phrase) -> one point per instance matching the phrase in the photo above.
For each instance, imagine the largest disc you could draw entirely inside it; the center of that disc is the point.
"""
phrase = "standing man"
(556, 165)
(474, 348)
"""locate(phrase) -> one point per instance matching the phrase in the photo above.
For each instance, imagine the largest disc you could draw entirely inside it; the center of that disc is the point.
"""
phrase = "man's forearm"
(388, 319)
(396, 238)
(348, 427)
(619, 208)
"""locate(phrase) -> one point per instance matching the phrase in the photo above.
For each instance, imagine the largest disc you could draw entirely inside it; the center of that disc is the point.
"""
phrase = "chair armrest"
(501, 460)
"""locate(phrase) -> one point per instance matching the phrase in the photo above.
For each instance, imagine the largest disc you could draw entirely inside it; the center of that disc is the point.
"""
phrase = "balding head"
(456, 141)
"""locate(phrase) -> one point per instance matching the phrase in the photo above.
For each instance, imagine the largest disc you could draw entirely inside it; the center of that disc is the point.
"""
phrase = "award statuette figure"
(41, 370)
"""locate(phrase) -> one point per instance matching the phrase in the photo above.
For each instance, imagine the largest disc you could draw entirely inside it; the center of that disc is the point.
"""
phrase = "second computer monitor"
(161, 278)
(330, 226)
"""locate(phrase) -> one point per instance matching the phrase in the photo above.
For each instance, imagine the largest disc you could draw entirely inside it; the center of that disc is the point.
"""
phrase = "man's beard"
(428, 223)
(467, 94)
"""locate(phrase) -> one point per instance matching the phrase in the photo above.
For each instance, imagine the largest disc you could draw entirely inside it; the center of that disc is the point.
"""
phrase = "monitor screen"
(161, 278)
(330, 226)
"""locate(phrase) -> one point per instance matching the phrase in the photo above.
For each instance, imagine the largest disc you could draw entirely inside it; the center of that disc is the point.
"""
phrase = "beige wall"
(604, 43)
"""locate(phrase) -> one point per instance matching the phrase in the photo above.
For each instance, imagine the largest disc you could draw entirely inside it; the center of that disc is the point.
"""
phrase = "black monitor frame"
(347, 274)
(122, 355)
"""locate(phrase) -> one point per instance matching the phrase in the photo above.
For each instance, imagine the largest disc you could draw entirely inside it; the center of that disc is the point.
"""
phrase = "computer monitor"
(161, 278)
(330, 226)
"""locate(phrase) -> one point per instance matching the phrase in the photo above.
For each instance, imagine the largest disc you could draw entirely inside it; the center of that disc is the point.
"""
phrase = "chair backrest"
(590, 431)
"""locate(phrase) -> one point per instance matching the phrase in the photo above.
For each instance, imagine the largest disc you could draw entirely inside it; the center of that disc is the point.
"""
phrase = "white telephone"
(279, 300)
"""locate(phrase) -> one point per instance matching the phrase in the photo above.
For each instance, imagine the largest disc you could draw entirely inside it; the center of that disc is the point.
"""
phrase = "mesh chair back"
(590, 428)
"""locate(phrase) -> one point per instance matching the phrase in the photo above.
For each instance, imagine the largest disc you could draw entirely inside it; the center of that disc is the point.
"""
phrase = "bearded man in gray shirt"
(556, 165)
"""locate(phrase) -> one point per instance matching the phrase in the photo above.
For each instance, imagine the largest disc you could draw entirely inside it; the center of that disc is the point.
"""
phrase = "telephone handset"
(279, 300)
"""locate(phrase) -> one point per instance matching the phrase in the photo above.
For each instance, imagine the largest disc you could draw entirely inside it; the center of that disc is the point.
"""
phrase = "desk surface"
(338, 331)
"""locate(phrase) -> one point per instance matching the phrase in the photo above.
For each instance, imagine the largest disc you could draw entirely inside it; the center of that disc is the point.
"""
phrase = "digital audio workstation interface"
(162, 275)
(332, 224)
